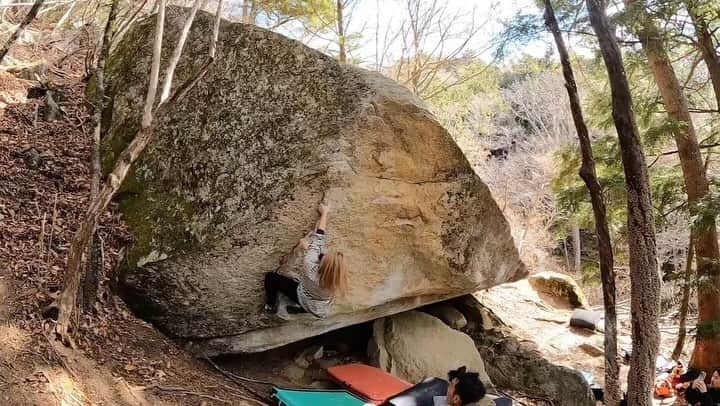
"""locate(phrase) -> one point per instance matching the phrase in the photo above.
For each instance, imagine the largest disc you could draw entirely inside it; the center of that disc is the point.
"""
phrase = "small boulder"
(308, 356)
(414, 346)
(591, 350)
(560, 286)
(449, 315)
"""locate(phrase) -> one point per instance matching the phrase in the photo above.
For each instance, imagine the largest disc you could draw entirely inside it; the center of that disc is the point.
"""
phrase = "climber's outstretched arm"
(323, 209)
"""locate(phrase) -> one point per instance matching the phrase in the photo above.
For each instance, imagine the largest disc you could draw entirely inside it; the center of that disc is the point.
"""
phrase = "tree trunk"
(95, 264)
(589, 176)
(254, 12)
(706, 46)
(28, 19)
(706, 354)
(577, 247)
(677, 352)
(341, 31)
(644, 280)
(245, 11)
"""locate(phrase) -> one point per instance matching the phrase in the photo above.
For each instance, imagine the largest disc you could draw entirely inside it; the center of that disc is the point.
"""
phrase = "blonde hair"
(333, 273)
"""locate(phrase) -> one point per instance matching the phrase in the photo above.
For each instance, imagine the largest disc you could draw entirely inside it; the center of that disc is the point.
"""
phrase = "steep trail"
(44, 185)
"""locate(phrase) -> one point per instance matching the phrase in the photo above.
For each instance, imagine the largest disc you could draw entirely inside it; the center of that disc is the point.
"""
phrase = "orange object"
(370, 383)
(664, 389)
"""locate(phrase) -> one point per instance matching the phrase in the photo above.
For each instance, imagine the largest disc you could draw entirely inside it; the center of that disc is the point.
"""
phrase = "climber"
(324, 275)
(465, 388)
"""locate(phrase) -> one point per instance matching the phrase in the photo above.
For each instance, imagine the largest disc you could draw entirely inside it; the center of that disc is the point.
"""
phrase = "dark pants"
(275, 283)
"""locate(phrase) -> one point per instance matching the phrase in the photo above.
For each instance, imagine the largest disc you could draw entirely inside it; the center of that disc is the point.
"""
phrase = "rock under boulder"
(234, 173)
(559, 286)
(414, 346)
(448, 314)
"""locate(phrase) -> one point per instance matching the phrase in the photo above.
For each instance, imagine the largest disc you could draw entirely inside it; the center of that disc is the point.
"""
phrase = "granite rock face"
(236, 169)
(415, 346)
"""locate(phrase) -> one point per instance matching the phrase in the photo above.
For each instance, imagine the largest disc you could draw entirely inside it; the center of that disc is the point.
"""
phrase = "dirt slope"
(44, 186)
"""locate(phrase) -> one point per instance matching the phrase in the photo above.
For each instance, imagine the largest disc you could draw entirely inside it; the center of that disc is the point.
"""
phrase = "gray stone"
(306, 357)
(235, 170)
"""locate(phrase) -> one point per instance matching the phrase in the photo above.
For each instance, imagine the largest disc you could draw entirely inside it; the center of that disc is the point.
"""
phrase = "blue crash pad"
(317, 397)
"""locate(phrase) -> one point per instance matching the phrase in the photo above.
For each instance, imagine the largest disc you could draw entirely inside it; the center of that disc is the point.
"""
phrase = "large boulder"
(414, 346)
(559, 286)
(231, 180)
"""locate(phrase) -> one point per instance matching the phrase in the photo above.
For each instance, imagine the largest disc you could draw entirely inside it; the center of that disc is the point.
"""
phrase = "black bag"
(585, 319)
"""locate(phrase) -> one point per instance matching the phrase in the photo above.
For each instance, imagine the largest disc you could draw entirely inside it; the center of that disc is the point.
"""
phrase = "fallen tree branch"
(238, 377)
(236, 392)
(238, 380)
(185, 392)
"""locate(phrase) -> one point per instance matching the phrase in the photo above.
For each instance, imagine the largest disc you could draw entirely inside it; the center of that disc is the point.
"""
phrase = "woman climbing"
(324, 275)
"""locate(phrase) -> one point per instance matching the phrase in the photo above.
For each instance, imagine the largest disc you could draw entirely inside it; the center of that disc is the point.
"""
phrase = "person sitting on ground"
(465, 388)
(676, 373)
(324, 275)
(666, 384)
(700, 394)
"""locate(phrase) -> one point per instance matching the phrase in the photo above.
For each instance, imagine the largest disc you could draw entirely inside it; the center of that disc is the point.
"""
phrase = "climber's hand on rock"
(323, 208)
(304, 244)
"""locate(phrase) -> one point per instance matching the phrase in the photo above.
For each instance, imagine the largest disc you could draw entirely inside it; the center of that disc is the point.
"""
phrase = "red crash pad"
(371, 383)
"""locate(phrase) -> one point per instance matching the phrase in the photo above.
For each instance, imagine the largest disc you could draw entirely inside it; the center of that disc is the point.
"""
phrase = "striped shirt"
(311, 296)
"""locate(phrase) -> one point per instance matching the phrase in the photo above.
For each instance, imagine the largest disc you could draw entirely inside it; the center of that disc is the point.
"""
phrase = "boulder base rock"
(449, 315)
(560, 286)
(235, 171)
(518, 365)
(415, 346)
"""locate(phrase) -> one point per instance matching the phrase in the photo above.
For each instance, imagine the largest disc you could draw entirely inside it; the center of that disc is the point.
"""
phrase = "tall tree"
(706, 354)
(589, 176)
(704, 40)
(341, 31)
(644, 280)
(25, 22)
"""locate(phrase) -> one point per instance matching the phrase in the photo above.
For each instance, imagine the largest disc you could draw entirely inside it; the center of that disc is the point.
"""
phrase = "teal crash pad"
(312, 397)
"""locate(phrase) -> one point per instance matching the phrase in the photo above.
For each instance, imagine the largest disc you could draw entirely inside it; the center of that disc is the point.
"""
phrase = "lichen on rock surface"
(235, 170)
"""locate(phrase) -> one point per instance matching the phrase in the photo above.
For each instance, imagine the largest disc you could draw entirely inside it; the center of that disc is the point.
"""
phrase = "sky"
(489, 13)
